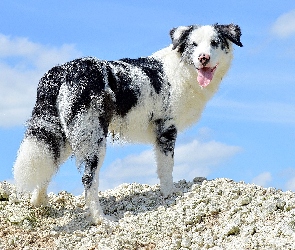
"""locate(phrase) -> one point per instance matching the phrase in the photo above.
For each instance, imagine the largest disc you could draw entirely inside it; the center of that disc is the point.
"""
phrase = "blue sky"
(247, 131)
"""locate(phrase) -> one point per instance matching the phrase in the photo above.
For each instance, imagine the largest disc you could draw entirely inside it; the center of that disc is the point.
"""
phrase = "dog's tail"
(44, 145)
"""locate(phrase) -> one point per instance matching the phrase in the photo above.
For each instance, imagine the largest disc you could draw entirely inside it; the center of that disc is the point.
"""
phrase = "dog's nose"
(204, 59)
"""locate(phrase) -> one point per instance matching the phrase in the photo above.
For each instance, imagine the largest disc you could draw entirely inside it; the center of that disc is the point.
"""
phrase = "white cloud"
(284, 26)
(191, 160)
(22, 64)
(290, 185)
(199, 158)
(262, 179)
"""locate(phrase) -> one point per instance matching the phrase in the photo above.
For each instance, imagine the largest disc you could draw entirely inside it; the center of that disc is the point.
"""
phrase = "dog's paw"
(102, 219)
(97, 216)
(39, 198)
(97, 220)
(167, 191)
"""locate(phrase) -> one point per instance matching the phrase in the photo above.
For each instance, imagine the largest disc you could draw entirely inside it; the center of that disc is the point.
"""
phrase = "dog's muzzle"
(204, 59)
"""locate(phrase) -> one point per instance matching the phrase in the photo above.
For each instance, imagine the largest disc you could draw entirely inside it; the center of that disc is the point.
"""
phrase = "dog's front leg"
(166, 133)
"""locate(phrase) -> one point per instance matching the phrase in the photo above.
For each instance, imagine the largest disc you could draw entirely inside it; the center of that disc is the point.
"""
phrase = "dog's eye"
(214, 43)
(195, 44)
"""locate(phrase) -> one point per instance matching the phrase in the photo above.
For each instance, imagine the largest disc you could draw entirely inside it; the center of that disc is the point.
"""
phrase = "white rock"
(186, 242)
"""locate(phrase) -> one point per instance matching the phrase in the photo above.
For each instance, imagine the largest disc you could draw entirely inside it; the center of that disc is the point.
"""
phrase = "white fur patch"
(34, 165)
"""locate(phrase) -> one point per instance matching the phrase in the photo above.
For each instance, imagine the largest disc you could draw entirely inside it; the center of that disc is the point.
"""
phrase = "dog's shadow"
(131, 204)
(137, 202)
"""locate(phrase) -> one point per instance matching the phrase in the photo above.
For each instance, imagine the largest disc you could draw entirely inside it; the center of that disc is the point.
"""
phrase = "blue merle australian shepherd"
(149, 100)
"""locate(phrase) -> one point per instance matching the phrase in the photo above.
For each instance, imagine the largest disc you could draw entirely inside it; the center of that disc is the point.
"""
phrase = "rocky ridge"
(216, 214)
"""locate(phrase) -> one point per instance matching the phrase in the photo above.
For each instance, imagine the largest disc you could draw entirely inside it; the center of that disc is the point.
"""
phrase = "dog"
(149, 99)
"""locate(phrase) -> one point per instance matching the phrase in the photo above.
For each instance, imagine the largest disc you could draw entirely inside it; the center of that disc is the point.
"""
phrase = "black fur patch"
(85, 78)
(166, 137)
(126, 95)
(152, 68)
(181, 41)
(90, 168)
(229, 32)
(126, 90)
(44, 123)
(215, 43)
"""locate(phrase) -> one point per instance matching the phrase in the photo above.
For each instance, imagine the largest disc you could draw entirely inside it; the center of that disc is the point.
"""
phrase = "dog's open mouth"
(205, 75)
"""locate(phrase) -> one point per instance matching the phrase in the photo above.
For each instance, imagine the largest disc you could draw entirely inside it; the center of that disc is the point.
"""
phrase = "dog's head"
(204, 47)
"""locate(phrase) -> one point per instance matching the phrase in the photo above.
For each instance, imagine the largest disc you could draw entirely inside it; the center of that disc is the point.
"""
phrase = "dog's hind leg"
(87, 136)
(164, 149)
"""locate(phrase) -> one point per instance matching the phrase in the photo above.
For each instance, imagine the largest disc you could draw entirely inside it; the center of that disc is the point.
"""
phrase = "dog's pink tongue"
(205, 76)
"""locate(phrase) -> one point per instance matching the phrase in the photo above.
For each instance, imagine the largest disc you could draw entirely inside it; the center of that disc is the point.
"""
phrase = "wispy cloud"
(191, 159)
(262, 179)
(22, 63)
(288, 175)
(290, 185)
(284, 26)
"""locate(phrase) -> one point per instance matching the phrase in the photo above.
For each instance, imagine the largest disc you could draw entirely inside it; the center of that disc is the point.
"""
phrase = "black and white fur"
(148, 100)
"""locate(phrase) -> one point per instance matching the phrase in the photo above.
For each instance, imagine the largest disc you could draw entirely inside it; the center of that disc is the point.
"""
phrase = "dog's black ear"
(179, 36)
(231, 32)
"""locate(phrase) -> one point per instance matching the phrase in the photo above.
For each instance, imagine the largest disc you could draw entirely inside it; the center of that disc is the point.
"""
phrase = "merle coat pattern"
(148, 99)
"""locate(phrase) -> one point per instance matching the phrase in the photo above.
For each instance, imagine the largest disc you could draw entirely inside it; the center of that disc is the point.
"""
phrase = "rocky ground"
(217, 214)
